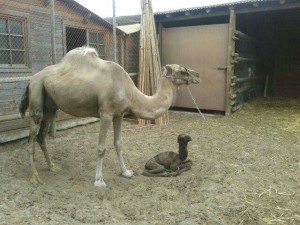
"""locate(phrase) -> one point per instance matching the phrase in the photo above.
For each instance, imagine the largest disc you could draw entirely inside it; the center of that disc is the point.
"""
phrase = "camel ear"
(168, 70)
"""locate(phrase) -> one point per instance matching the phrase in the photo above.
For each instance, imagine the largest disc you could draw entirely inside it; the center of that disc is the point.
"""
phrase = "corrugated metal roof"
(212, 6)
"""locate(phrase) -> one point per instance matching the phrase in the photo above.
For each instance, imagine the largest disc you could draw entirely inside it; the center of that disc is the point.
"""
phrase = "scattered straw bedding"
(245, 171)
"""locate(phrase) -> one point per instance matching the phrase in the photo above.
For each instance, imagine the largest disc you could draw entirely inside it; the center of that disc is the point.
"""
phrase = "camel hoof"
(99, 183)
(127, 173)
(55, 168)
(35, 180)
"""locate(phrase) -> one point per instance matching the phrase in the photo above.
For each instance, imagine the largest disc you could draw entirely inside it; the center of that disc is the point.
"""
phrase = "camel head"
(181, 75)
(183, 138)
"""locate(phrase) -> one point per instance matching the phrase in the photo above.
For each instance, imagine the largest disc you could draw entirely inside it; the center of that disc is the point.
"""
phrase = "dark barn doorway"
(75, 37)
(279, 49)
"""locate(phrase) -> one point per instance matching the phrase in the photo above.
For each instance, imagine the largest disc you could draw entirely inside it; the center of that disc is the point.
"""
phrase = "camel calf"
(167, 164)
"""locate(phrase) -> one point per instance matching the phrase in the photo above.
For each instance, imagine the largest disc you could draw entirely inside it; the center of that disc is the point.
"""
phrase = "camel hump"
(80, 57)
(90, 51)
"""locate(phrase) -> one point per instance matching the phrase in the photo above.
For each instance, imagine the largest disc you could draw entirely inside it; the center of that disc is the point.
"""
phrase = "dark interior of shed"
(278, 49)
(72, 42)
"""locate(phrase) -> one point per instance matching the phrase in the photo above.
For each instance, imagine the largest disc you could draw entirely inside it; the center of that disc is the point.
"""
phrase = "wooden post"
(115, 31)
(53, 31)
(149, 59)
(53, 124)
(230, 65)
(122, 51)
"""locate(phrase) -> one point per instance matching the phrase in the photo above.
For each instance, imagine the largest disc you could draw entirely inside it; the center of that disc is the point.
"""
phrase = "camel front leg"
(117, 123)
(105, 121)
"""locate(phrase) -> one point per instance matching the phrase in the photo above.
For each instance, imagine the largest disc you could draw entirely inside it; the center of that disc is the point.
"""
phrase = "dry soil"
(245, 171)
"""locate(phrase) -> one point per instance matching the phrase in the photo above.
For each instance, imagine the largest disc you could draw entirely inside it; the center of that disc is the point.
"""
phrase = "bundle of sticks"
(149, 59)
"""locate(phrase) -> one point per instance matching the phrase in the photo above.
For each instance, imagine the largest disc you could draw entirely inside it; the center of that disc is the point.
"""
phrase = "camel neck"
(183, 153)
(152, 107)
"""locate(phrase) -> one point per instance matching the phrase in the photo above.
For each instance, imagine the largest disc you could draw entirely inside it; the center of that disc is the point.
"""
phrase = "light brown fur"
(84, 85)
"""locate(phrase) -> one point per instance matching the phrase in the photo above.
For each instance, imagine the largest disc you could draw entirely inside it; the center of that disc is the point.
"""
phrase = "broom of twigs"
(149, 59)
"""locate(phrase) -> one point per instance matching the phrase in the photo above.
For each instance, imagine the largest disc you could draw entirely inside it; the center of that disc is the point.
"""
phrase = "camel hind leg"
(35, 121)
(41, 138)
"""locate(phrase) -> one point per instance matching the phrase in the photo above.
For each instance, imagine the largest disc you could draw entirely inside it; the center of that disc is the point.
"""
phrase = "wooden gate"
(204, 49)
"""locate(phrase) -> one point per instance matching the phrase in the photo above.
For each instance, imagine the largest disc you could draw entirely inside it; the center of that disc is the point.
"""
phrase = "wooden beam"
(14, 79)
(225, 12)
(54, 60)
(160, 28)
(53, 43)
(61, 125)
(242, 35)
(235, 108)
(149, 59)
(240, 59)
(268, 8)
(230, 66)
(12, 117)
(198, 16)
(246, 79)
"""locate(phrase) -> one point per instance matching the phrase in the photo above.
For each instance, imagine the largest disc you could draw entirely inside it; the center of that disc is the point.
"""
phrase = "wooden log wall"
(37, 33)
(230, 65)
(242, 67)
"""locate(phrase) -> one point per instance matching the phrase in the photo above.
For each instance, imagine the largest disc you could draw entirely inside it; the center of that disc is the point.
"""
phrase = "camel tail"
(24, 102)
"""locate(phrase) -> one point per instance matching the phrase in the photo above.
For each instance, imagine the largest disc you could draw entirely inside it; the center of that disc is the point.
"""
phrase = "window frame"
(97, 43)
(10, 36)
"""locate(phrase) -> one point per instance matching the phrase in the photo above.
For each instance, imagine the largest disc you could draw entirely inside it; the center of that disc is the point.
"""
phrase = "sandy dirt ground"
(245, 171)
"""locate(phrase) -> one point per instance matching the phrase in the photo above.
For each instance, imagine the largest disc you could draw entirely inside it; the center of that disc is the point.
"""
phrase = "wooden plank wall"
(37, 14)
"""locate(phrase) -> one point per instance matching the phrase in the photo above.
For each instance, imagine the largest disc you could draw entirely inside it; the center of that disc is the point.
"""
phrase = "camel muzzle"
(181, 74)
(193, 77)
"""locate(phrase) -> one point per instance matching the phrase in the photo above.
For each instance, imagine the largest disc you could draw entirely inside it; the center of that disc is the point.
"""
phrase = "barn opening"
(265, 57)
(75, 37)
(277, 47)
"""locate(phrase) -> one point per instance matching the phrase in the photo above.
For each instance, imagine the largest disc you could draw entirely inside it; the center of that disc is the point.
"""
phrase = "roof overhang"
(86, 13)
(130, 29)
(246, 6)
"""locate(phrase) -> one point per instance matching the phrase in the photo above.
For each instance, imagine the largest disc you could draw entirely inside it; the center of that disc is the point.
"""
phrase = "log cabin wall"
(26, 48)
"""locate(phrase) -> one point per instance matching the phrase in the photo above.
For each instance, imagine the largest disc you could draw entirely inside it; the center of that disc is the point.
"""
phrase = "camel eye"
(185, 71)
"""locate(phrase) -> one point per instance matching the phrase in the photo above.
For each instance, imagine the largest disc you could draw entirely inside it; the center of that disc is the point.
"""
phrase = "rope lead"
(195, 102)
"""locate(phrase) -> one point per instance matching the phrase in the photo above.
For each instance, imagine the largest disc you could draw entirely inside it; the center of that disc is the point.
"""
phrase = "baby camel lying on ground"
(167, 164)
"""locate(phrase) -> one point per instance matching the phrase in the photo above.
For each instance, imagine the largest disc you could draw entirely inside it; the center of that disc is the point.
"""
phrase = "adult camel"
(84, 85)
